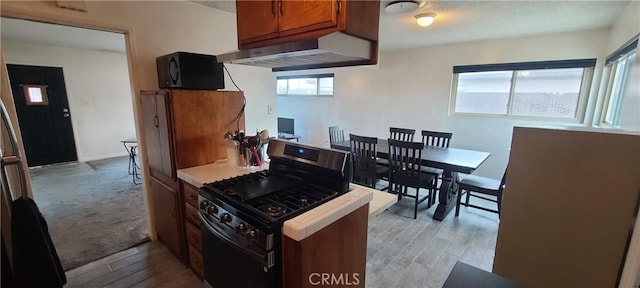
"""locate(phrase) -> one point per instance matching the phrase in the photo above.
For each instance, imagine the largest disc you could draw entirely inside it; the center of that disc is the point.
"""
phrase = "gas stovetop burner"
(274, 210)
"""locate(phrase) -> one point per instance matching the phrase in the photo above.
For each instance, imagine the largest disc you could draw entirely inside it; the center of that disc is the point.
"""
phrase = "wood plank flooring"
(148, 265)
(401, 252)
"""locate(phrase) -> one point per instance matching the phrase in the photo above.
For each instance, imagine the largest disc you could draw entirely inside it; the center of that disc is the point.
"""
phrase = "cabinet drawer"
(195, 261)
(193, 236)
(191, 214)
(190, 194)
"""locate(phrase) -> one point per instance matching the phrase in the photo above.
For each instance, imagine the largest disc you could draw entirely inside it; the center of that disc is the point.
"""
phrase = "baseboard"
(100, 157)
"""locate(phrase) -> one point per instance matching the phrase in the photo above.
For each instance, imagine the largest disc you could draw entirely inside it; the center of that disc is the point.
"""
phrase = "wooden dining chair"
(336, 135)
(401, 134)
(435, 139)
(471, 184)
(366, 170)
(404, 172)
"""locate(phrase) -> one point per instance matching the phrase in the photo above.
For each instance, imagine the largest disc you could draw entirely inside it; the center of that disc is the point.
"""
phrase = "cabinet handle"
(156, 122)
(339, 6)
(273, 7)
(281, 11)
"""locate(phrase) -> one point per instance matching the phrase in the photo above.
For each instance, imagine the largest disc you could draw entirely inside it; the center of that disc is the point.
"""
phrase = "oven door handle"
(226, 239)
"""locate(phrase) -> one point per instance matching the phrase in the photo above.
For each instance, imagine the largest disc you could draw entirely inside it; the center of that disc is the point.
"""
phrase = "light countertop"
(199, 175)
(307, 223)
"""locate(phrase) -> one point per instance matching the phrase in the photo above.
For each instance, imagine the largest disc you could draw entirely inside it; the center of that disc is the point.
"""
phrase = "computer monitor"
(285, 126)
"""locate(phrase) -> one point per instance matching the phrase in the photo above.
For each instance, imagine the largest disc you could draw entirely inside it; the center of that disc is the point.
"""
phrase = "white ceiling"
(16, 30)
(456, 22)
(464, 21)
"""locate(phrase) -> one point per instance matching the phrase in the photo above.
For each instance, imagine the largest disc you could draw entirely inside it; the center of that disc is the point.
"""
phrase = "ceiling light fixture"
(425, 19)
(401, 6)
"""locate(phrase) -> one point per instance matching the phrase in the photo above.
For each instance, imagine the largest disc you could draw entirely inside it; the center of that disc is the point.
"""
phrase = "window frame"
(608, 78)
(588, 66)
(43, 93)
(308, 76)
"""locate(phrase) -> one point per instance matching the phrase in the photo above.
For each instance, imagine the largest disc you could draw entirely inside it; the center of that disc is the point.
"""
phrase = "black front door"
(43, 111)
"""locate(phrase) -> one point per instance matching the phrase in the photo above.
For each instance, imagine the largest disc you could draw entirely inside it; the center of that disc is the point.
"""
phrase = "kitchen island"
(199, 175)
(331, 237)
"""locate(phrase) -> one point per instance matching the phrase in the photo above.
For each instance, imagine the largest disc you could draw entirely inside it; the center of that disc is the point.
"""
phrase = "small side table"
(131, 145)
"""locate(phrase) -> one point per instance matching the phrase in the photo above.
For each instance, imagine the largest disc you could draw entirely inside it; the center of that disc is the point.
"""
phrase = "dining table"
(451, 160)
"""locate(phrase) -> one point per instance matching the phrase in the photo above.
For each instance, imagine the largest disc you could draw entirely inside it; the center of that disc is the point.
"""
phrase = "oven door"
(231, 261)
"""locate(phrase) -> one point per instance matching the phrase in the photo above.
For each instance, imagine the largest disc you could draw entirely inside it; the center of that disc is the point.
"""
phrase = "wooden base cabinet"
(335, 256)
(168, 226)
(192, 227)
(183, 128)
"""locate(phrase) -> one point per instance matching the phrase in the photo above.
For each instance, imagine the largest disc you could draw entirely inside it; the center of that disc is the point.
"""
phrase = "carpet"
(93, 209)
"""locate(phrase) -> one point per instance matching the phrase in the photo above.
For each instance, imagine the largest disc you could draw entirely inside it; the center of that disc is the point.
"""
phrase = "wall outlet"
(269, 109)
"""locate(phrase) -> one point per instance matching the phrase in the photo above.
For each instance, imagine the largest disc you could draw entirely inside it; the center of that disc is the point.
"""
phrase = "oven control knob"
(252, 234)
(212, 210)
(204, 204)
(241, 227)
(225, 218)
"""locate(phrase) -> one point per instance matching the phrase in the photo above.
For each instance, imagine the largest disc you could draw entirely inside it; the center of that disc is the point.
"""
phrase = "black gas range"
(242, 217)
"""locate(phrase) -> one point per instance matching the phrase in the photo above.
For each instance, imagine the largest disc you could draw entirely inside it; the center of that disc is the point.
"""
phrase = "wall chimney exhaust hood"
(333, 50)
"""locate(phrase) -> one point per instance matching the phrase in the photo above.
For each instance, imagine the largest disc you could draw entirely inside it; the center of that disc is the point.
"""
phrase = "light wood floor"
(401, 252)
(148, 265)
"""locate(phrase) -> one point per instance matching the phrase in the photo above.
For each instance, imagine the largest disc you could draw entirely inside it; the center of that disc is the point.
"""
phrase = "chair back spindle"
(401, 134)
(436, 139)
(336, 135)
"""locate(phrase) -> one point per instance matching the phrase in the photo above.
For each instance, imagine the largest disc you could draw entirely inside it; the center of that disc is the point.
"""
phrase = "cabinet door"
(150, 121)
(165, 129)
(303, 16)
(166, 216)
(257, 20)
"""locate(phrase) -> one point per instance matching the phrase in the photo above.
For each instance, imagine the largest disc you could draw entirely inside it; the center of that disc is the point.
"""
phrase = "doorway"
(92, 207)
(42, 106)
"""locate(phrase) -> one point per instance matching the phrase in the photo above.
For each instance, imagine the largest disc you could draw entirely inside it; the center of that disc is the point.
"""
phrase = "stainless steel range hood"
(333, 50)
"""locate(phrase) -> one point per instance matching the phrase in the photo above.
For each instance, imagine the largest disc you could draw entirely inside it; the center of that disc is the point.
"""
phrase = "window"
(318, 85)
(615, 77)
(35, 94)
(549, 89)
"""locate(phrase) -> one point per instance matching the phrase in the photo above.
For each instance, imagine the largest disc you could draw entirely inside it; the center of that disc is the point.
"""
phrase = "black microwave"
(185, 70)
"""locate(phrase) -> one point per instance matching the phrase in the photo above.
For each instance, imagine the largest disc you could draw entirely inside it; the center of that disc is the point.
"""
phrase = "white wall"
(98, 90)
(259, 86)
(411, 88)
(157, 28)
(163, 27)
(626, 27)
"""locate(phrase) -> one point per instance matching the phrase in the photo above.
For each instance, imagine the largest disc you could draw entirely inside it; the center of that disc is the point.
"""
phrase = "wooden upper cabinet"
(257, 20)
(185, 128)
(264, 23)
(201, 119)
(302, 16)
(157, 127)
